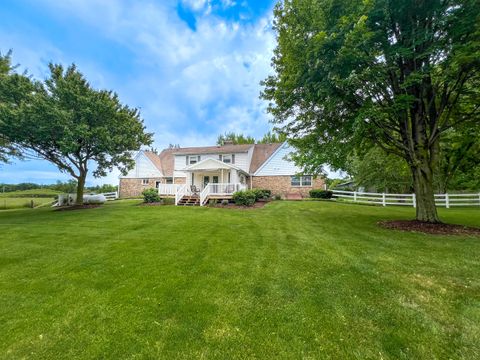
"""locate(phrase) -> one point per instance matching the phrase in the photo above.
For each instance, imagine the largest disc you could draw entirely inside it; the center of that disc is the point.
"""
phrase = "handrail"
(180, 193)
(204, 194)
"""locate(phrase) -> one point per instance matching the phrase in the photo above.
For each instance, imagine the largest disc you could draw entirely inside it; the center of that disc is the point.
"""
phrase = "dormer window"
(227, 158)
(193, 159)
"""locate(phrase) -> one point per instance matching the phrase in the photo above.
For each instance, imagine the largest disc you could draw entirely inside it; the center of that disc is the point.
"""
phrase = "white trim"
(280, 148)
(221, 164)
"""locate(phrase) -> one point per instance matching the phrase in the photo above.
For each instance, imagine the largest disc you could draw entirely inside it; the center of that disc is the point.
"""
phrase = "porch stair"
(189, 201)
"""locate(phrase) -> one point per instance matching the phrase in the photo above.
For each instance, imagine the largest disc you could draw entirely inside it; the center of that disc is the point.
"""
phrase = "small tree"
(74, 126)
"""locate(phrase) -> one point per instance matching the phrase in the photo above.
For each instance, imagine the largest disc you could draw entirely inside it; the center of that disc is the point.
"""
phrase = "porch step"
(189, 201)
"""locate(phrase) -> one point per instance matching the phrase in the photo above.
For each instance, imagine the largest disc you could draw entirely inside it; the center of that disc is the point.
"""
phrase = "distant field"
(23, 199)
(7, 203)
(48, 193)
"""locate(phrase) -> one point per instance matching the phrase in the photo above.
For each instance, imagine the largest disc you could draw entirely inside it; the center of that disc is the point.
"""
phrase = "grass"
(291, 280)
(24, 198)
(32, 193)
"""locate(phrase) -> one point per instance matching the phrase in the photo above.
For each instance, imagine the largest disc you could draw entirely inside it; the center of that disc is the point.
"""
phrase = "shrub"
(246, 198)
(321, 194)
(262, 193)
(150, 195)
(277, 197)
(224, 202)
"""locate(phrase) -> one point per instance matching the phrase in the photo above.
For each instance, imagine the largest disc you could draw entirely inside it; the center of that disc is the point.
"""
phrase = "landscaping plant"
(150, 195)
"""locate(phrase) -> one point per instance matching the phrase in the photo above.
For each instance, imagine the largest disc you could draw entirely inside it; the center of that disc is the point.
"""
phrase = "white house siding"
(144, 168)
(277, 164)
(242, 161)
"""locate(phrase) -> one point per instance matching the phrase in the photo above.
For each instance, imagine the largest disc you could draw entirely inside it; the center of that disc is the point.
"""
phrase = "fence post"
(384, 202)
(447, 201)
(354, 196)
(414, 200)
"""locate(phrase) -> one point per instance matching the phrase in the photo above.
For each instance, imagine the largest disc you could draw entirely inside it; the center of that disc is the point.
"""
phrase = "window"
(144, 181)
(193, 159)
(295, 181)
(169, 180)
(305, 180)
(227, 158)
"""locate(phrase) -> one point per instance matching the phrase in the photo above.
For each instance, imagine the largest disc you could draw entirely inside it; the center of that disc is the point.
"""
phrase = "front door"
(206, 180)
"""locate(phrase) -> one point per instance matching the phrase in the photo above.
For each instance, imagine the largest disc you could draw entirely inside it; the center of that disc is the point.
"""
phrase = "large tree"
(74, 126)
(394, 73)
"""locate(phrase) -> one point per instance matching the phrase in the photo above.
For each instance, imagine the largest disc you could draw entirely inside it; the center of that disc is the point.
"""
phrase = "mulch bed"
(429, 228)
(154, 204)
(257, 205)
(78, 207)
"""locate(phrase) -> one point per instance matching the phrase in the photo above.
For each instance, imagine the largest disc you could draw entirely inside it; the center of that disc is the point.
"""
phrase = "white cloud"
(190, 85)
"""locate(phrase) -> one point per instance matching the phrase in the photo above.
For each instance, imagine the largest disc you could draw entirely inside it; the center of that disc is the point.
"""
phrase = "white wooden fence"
(384, 199)
(69, 199)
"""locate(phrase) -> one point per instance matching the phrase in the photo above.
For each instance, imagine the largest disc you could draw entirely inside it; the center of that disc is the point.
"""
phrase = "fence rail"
(384, 199)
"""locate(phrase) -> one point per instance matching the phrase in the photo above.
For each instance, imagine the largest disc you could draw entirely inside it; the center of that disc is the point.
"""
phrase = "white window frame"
(145, 181)
(302, 181)
(196, 159)
(229, 157)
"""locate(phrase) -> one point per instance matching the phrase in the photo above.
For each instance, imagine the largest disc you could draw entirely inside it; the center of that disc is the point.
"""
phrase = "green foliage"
(245, 197)
(104, 188)
(398, 74)
(268, 138)
(262, 194)
(321, 194)
(12, 92)
(381, 172)
(459, 163)
(150, 195)
(67, 122)
(272, 137)
(236, 139)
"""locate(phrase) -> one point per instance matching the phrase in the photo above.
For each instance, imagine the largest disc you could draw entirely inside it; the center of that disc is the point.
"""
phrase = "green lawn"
(24, 198)
(291, 280)
(8, 203)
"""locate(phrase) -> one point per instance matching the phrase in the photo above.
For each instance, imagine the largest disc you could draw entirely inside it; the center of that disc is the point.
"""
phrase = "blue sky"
(193, 67)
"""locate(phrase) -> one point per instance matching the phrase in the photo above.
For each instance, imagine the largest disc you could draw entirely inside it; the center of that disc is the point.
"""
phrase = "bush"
(321, 194)
(262, 194)
(246, 198)
(150, 195)
(277, 197)
(224, 202)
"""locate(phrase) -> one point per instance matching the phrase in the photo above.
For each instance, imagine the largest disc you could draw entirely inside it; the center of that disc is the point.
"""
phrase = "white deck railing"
(181, 192)
(168, 189)
(385, 199)
(220, 189)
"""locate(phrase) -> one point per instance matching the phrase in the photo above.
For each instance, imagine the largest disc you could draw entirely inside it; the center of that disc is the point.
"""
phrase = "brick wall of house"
(180, 180)
(134, 187)
(281, 185)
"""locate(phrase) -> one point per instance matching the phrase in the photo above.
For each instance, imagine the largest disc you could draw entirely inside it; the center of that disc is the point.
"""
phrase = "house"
(193, 175)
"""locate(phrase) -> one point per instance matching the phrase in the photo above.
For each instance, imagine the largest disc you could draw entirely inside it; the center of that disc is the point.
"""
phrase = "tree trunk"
(80, 188)
(425, 198)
